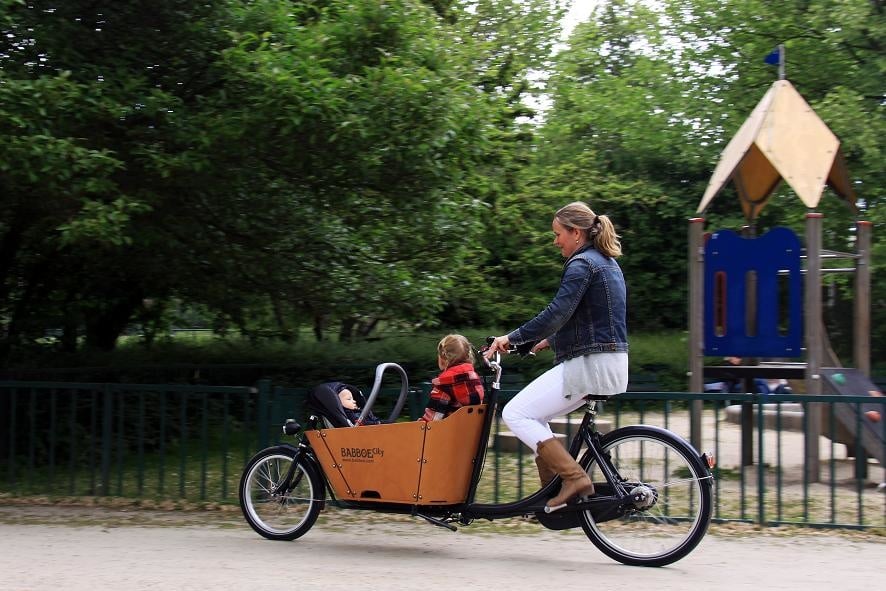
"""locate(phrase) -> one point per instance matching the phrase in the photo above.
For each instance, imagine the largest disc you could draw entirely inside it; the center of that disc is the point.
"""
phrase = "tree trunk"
(318, 327)
(364, 329)
(280, 318)
(346, 332)
(105, 327)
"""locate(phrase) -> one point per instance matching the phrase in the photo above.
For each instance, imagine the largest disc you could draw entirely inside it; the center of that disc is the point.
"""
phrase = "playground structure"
(761, 296)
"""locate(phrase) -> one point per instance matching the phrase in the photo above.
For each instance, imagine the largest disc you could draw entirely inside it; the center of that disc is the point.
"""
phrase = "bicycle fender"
(692, 453)
(295, 451)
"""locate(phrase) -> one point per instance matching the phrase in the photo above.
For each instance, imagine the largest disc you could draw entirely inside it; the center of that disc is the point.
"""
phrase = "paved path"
(124, 550)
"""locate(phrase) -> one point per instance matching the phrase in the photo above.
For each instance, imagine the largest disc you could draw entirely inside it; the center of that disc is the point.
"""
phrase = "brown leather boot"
(545, 474)
(576, 482)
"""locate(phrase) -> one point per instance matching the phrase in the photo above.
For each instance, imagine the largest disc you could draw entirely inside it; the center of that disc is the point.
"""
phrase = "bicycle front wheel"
(670, 503)
(274, 512)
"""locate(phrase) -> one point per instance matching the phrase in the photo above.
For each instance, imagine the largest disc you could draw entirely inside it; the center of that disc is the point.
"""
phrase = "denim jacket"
(588, 314)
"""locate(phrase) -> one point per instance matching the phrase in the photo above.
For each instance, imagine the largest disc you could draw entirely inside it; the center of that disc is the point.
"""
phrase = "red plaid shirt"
(459, 385)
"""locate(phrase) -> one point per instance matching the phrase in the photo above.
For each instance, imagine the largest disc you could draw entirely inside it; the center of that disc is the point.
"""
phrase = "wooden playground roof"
(783, 139)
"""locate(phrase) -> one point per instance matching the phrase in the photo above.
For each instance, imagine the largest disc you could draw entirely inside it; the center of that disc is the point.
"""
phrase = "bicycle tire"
(670, 477)
(278, 516)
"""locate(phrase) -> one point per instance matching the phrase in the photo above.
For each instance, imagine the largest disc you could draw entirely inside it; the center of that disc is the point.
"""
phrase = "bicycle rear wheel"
(671, 497)
(280, 514)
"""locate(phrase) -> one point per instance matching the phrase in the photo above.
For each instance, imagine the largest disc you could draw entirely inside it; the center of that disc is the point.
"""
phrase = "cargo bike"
(652, 504)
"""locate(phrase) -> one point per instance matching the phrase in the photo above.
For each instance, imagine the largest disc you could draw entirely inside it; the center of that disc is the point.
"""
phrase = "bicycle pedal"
(578, 501)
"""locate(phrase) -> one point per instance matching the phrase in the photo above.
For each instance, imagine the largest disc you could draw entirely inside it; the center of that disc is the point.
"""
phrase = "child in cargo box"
(458, 385)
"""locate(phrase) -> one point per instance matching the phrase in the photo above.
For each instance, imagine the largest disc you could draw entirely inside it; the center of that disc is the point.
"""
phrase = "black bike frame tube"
(592, 440)
(579, 438)
(531, 504)
(537, 501)
(594, 443)
(297, 452)
(471, 510)
(483, 444)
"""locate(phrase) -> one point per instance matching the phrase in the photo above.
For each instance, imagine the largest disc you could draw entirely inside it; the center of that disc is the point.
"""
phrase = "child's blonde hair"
(454, 349)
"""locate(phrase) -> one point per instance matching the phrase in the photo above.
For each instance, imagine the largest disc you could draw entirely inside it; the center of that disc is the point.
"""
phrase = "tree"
(275, 163)
(86, 110)
(646, 95)
(612, 138)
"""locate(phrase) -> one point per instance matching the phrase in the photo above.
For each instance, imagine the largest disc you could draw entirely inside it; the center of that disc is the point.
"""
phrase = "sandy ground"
(93, 548)
(98, 547)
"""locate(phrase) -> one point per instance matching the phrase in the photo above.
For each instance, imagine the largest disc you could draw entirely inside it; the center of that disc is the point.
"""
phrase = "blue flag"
(774, 58)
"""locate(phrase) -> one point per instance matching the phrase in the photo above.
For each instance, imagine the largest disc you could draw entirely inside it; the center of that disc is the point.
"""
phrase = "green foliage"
(206, 358)
(299, 169)
(278, 164)
(645, 97)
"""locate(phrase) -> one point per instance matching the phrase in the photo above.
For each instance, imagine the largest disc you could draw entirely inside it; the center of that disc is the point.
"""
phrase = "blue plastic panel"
(732, 263)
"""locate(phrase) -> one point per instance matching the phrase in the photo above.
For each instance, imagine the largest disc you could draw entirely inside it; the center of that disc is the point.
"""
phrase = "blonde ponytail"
(598, 229)
(606, 240)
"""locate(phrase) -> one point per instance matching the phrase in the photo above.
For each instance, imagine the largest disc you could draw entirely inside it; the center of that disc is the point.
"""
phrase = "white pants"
(528, 413)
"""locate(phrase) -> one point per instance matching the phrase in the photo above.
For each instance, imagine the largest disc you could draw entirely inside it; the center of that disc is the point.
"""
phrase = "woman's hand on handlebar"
(540, 346)
(501, 344)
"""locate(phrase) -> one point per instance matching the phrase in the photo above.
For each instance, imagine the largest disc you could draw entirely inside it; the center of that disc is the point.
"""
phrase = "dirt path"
(94, 549)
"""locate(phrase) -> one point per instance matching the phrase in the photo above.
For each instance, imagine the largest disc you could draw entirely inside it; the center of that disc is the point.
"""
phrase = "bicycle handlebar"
(494, 364)
(524, 350)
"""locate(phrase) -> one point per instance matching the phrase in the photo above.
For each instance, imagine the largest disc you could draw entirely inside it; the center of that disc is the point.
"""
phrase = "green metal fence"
(191, 442)
(127, 440)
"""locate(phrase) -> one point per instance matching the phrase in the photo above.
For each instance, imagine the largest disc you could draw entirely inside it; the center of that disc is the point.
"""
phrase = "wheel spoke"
(683, 481)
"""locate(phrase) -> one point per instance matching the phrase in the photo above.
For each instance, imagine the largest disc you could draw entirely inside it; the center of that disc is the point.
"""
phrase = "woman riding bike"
(585, 325)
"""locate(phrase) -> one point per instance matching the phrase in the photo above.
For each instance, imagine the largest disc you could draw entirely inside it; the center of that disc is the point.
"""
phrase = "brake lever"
(525, 350)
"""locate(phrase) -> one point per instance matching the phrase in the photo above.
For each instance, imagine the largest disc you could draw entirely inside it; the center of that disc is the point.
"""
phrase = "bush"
(232, 361)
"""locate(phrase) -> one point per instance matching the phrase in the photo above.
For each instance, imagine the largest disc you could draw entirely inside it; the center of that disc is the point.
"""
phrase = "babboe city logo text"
(361, 454)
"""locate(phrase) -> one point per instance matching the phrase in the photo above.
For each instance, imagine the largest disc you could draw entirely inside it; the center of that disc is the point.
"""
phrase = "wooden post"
(696, 324)
(862, 340)
(750, 327)
(814, 344)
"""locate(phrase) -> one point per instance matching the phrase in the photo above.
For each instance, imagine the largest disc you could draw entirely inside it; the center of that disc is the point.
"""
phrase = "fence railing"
(127, 440)
(777, 484)
(191, 442)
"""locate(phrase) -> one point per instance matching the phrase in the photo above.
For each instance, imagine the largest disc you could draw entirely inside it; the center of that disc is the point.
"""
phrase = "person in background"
(873, 415)
(736, 385)
(458, 385)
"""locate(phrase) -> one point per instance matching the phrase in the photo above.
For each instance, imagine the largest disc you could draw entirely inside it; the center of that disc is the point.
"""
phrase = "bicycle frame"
(600, 504)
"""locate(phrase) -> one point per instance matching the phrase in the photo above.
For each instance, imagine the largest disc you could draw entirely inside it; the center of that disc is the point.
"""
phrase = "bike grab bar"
(376, 386)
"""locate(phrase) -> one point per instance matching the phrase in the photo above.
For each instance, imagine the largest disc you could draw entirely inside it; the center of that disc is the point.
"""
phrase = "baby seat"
(324, 401)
